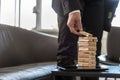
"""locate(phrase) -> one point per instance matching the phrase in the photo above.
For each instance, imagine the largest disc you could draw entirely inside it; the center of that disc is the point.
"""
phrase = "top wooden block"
(94, 39)
(83, 33)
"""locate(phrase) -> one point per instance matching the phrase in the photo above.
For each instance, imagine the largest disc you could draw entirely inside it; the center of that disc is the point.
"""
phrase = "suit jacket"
(62, 7)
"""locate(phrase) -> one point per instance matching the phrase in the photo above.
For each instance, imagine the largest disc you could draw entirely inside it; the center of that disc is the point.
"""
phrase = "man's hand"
(74, 22)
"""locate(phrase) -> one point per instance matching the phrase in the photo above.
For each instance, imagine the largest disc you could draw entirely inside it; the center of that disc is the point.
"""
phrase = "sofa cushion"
(28, 71)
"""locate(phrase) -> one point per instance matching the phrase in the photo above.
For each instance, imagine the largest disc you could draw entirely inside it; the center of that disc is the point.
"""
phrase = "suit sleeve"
(71, 5)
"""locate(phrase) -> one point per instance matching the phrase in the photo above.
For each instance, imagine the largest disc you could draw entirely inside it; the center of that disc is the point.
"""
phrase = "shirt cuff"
(74, 11)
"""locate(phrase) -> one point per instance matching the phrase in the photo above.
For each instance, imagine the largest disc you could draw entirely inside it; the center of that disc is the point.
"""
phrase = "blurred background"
(38, 15)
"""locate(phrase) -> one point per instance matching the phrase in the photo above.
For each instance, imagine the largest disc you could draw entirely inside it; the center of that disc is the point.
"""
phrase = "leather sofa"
(113, 48)
(113, 44)
(25, 54)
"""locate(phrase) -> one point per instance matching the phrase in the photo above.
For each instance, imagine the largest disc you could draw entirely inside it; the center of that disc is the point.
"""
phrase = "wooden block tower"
(87, 50)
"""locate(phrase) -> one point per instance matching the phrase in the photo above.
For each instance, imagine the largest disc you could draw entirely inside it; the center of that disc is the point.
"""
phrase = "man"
(75, 16)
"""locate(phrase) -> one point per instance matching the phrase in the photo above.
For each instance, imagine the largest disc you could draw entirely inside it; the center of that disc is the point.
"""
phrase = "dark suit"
(62, 7)
(92, 20)
(92, 12)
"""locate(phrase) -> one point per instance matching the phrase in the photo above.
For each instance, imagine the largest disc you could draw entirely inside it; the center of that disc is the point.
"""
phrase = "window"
(27, 17)
(7, 12)
(116, 20)
(18, 13)
(49, 17)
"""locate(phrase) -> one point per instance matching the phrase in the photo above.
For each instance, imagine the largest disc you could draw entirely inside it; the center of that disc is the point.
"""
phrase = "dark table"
(112, 72)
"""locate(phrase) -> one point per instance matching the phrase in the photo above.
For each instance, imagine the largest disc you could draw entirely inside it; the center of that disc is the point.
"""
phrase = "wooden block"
(90, 63)
(86, 67)
(94, 39)
(85, 43)
(93, 53)
(86, 64)
(85, 34)
(84, 56)
(83, 64)
(86, 60)
(87, 48)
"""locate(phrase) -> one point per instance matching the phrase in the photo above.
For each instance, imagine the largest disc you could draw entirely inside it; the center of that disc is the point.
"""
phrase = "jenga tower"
(87, 50)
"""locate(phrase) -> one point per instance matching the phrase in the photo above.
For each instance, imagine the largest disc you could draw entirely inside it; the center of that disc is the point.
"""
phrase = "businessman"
(75, 16)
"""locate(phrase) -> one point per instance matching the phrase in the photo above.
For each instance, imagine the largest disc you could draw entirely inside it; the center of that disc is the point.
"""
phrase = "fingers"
(73, 30)
(75, 27)
(79, 25)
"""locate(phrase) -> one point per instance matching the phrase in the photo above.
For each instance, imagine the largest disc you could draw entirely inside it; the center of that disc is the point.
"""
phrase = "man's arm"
(71, 5)
(64, 7)
(73, 8)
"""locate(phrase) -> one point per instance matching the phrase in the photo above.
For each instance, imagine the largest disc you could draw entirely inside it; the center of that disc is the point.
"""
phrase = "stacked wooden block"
(87, 50)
